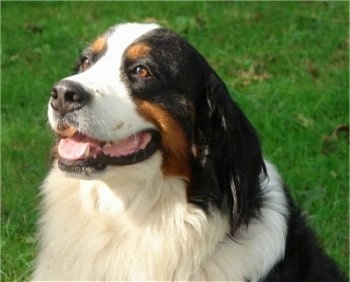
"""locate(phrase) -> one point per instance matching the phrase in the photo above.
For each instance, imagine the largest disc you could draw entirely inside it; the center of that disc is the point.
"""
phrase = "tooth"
(107, 145)
(87, 152)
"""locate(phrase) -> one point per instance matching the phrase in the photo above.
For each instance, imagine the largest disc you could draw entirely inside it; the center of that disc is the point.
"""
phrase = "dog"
(157, 174)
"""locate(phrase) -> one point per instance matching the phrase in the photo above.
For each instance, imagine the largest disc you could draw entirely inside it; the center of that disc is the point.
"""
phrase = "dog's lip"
(92, 153)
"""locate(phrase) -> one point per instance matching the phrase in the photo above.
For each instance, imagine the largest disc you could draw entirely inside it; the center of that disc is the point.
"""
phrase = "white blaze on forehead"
(118, 40)
(121, 36)
(111, 114)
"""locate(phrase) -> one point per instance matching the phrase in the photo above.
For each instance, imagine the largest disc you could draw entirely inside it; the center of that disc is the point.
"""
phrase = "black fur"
(234, 151)
(229, 158)
(228, 165)
(304, 259)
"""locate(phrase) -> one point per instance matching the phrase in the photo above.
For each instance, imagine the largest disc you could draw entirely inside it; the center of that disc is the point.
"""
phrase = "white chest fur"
(143, 228)
(91, 230)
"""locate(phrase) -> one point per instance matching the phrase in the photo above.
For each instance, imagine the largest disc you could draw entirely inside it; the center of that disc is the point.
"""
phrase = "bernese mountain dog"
(158, 175)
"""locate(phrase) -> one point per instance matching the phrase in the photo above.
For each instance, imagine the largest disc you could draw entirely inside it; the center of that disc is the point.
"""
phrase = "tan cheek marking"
(66, 130)
(175, 147)
(138, 50)
(99, 45)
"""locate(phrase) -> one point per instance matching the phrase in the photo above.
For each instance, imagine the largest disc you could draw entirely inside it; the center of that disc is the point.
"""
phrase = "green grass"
(286, 62)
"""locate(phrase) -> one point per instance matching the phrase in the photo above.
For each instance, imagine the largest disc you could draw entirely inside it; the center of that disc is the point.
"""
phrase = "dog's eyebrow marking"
(100, 45)
(138, 50)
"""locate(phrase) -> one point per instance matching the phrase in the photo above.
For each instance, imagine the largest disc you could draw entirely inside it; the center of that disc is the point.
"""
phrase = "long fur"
(158, 235)
(220, 213)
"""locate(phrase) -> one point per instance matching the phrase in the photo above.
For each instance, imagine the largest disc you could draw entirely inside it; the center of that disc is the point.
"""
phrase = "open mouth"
(83, 154)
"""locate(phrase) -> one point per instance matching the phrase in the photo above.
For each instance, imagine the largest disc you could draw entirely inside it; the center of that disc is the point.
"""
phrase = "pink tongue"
(128, 146)
(79, 147)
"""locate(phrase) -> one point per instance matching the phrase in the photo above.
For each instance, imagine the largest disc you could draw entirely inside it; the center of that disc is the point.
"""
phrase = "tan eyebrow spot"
(138, 50)
(99, 45)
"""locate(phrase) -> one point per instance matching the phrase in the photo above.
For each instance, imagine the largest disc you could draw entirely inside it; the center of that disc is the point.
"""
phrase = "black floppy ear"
(229, 144)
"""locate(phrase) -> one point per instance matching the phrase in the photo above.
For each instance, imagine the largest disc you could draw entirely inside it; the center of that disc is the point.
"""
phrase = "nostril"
(72, 96)
(54, 94)
(77, 97)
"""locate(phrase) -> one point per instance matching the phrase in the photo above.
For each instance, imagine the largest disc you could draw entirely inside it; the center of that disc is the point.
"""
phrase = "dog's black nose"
(67, 96)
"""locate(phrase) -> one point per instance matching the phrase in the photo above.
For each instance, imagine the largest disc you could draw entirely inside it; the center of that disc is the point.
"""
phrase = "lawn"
(286, 63)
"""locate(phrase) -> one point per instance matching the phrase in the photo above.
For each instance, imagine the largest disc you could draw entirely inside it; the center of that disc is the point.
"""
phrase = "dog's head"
(140, 91)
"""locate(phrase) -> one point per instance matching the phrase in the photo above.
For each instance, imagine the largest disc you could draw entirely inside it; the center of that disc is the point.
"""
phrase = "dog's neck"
(141, 216)
(143, 228)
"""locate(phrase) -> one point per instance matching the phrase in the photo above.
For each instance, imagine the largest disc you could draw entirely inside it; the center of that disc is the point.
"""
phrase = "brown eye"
(85, 63)
(141, 72)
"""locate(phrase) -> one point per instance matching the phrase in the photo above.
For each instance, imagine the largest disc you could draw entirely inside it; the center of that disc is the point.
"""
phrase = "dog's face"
(130, 98)
(143, 95)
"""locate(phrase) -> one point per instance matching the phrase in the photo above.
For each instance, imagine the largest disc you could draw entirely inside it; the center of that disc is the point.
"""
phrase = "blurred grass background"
(286, 63)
